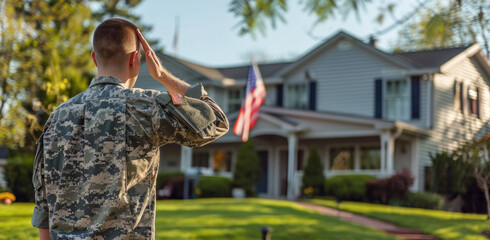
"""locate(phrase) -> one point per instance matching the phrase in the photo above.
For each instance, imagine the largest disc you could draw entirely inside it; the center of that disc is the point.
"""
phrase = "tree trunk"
(487, 197)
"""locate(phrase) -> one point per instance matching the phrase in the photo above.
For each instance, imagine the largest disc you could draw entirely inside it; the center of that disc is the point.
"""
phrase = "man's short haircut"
(113, 39)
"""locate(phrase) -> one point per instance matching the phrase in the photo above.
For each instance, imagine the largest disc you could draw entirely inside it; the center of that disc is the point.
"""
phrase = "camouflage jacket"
(95, 175)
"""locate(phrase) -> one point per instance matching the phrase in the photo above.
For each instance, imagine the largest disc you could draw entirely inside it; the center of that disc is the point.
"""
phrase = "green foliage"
(45, 60)
(18, 174)
(444, 24)
(254, 14)
(449, 172)
(164, 177)
(313, 174)
(247, 169)
(420, 200)
(347, 187)
(213, 186)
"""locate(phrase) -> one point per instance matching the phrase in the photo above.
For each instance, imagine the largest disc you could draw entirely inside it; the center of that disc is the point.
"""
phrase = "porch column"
(387, 153)
(292, 157)
(185, 158)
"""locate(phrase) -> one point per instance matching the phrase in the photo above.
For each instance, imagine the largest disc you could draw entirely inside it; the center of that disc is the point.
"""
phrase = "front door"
(283, 173)
(264, 168)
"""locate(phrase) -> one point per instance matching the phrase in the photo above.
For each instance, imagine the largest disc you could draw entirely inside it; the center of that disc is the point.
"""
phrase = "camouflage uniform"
(96, 176)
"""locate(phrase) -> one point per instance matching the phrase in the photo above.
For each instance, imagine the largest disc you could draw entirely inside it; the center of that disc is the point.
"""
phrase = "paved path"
(402, 232)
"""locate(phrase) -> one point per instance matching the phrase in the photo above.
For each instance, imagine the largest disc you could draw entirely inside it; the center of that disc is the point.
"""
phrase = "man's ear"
(93, 58)
(132, 58)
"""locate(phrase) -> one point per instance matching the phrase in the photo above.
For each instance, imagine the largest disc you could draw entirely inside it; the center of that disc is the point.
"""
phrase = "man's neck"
(123, 77)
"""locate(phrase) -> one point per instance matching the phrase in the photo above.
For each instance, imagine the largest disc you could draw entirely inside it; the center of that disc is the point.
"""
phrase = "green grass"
(445, 225)
(217, 219)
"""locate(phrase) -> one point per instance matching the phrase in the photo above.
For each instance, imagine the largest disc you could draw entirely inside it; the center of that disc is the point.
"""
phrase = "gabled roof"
(236, 72)
(429, 58)
(331, 41)
(266, 70)
(417, 60)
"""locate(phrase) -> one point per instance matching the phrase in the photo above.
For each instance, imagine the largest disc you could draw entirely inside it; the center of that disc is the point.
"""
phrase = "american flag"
(254, 97)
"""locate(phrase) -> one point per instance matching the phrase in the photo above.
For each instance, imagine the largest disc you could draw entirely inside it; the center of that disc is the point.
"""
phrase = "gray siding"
(345, 77)
(451, 127)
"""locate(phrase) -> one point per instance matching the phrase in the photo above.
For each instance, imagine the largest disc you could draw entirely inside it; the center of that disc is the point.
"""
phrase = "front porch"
(346, 145)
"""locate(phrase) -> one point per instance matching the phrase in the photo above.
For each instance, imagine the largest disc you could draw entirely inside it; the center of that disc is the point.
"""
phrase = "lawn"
(445, 225)
(217, 219)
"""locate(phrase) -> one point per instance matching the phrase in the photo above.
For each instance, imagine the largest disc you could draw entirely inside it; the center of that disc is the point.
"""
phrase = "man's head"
(116, 46)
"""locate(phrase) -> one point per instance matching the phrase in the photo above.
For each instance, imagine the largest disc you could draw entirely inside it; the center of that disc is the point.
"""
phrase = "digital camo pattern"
(97, 177)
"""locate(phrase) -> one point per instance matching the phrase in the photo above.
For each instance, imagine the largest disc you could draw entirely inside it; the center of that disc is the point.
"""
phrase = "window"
(234, 100)
(397, 99)
(341, 158)
(458, 95)
(296, 96)
(200, 159)
(222, 161)
(473, 101)
(370, 158)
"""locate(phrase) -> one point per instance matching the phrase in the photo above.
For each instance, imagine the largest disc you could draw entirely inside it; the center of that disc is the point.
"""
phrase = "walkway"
(402, 232)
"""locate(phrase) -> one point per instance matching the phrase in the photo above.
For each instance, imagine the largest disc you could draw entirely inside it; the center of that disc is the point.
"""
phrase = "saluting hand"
(154, 64)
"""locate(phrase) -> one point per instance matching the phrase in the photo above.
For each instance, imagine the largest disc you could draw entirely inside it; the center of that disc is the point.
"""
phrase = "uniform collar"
(105, 80)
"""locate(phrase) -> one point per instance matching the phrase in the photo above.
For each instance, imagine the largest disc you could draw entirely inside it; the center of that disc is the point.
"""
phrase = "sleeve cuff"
(196, 91)
(40, 219)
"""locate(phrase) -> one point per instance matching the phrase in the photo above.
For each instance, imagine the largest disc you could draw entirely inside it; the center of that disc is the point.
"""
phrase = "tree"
(255, 13)
(247, 169)
(313, 178)
(455, 23)
(449, 24)
(477, 154)
(45, 58)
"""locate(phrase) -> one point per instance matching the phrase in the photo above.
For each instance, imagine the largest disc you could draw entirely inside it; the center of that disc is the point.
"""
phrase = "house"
(365, 110)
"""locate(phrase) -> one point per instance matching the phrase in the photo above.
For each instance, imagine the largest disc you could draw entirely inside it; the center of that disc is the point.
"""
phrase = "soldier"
(97, 160)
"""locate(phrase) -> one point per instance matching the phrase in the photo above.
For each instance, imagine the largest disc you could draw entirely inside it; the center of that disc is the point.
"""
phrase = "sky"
(208, 32)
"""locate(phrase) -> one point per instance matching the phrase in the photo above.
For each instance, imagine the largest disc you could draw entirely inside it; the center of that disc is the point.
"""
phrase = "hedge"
(212, 186)
(421, 200)
(347, 187)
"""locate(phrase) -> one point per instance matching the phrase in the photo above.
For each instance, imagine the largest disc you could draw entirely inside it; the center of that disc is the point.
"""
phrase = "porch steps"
(401, 232)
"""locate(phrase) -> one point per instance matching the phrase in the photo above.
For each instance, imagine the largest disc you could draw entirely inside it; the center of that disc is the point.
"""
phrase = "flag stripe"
(254, 98)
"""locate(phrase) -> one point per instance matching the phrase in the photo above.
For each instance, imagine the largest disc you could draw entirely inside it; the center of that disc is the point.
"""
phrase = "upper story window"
(234, 100)
(466, 99)
(458, 96)
(473, 101)
(297, 97)
(397, 99)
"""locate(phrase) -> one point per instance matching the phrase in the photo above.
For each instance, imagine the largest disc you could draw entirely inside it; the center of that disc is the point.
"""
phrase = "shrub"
(164, 177)
(313, 175)
(212, 186)
(174, 178)
(422, 200)
(347, 187)
(389, 189)
(18, 175)
(247, 169)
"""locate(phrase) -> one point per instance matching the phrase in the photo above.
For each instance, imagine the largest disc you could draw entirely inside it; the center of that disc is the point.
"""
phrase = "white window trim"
(357, 156)
(285, 90)
(409, 92)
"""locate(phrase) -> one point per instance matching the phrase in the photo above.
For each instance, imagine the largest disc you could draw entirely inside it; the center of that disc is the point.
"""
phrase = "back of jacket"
(97, 177)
